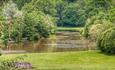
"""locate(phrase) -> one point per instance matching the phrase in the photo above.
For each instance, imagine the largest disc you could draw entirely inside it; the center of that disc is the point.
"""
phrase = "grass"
(81, 60)
(79, 29)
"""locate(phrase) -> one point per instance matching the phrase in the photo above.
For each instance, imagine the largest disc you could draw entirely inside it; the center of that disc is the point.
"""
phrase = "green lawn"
(83, 60)
(79, 29)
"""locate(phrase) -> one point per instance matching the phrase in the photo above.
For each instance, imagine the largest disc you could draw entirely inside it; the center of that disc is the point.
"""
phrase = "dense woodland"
(36, 19)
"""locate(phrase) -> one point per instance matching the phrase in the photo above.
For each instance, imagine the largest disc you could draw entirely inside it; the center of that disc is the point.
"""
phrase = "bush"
(10, 64)
(106, 42)
(89, 24)
(37, 25)
(97, 29)
(100, 18)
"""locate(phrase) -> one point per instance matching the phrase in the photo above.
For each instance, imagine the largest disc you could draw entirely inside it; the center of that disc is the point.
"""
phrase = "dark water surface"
(63, 41)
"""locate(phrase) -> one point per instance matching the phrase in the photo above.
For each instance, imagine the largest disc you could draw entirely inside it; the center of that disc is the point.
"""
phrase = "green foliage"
(93, 7)
(106, 4)
(1, 19)
(72, 16)
(60, 8)
(13, 18)
(96, 30)
(69, 1)
(10, 64)
(3, 1)
(68, 12)
(37, 25)
(46, 6)
(106, 42)
(21, 3)
(16, 29)
(100, 15)
(12, 33)
(97, 19)
(111, 14)
(31, 26)
(31, 20)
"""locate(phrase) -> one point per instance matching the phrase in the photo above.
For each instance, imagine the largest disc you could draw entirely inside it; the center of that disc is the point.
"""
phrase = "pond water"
(63, 41)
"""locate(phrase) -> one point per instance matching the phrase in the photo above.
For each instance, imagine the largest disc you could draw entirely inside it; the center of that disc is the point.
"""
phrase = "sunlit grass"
(83, 60)
(79, 29)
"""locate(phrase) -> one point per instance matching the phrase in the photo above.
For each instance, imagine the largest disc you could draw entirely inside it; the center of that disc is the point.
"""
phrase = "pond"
(63, 41)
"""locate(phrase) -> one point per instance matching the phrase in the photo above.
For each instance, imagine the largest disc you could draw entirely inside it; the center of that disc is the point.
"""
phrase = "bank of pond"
(61, 42)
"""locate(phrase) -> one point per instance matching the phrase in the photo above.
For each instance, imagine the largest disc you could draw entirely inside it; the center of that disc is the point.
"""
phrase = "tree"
(21, 3)
(10, 13)
(93, 7)
(46, 6)
(73, 15)
(37, 25)
(60, 8)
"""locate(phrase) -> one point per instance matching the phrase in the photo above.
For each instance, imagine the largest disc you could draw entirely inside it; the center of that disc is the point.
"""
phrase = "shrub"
(89, 24)
(86, 28)
(98, 19)
(106, 42)
(9, 64)
(97, 29)
(37, 25)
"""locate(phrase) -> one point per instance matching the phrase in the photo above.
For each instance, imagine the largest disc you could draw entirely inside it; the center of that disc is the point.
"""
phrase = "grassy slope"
(79, 29)
(83, 60)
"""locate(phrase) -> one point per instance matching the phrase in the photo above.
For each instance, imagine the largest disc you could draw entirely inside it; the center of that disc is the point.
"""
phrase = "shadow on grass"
(100, 52)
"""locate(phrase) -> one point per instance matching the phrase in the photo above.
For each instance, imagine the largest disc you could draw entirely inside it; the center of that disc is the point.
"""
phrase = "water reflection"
(64, 41)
